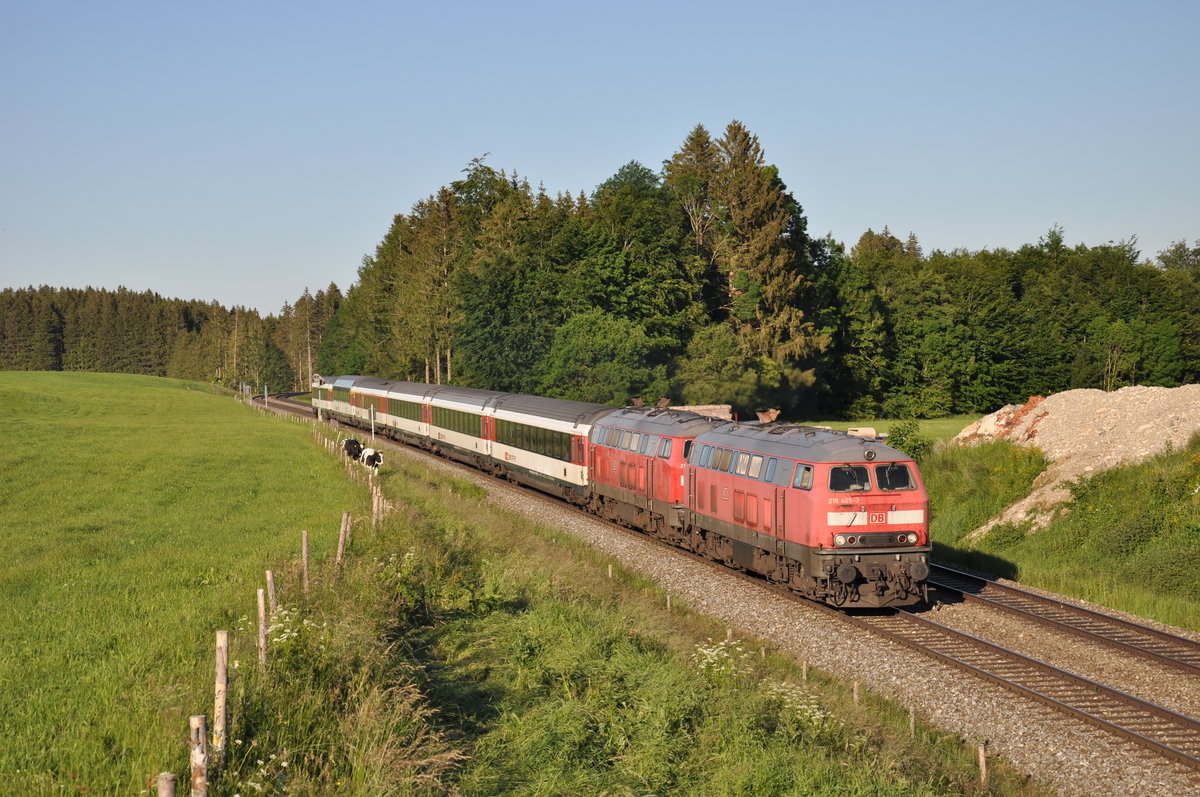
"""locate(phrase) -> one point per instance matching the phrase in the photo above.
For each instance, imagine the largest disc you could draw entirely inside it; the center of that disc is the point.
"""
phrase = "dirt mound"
(1082, 432)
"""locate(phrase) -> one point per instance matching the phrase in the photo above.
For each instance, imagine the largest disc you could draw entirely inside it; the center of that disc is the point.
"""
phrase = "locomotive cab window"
(894, 477)
(849, 478)
(804, 477)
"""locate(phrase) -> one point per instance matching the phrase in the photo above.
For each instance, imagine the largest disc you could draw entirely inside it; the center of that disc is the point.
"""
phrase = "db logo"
(877, 517)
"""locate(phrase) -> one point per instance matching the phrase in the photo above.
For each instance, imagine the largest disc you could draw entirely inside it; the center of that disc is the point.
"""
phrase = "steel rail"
(1150, 643)
(1153, 727)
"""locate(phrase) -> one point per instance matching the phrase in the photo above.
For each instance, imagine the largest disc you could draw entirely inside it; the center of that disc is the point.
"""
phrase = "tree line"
(699, 281)
(122, 331)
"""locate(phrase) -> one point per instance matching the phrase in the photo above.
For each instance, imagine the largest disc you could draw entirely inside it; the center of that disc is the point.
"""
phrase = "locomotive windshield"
(894, 477)
(849, 478)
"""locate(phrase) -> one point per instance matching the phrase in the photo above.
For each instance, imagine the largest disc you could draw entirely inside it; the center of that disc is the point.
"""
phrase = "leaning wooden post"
(166, 784)
(198, 731)
(304, 560)
(262, 630)
(221, 698)
(272, 598)
(341, 549)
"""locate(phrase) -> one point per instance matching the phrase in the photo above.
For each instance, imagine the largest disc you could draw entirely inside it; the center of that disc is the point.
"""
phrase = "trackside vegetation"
(1129, 538)
(462, 650)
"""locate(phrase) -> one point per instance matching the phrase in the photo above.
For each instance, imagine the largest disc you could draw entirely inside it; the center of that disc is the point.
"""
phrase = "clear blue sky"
(244, 151)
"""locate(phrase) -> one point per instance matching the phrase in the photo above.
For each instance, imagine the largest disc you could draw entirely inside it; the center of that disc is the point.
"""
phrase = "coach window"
(804, 477)
(756, 462)
(664, 448)
(849, 478)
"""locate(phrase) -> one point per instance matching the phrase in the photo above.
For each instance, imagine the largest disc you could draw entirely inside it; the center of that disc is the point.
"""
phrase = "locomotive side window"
(687, 448)
(756, 462)
(743, 463)
(849, 478)
(625, 440)
(614, 437)
(664, 450)
(722, 459)
(783, 474)
(706, 456)
(649, 444)
(804, 477)
(769, 474)
(635, 441)
(894, 477)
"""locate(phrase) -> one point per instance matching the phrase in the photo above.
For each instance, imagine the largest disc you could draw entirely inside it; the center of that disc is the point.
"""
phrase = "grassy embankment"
(1129, 538)
(547, 676)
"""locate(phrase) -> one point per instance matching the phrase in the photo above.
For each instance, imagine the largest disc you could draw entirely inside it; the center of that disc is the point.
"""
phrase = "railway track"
(1140, 640)
(1155, 728)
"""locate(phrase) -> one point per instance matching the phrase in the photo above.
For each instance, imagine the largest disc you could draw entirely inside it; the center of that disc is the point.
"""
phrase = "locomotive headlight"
(912, 537)
(839, 539)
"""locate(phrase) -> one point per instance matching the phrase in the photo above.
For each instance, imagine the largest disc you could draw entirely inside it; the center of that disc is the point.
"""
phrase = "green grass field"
(138, 515)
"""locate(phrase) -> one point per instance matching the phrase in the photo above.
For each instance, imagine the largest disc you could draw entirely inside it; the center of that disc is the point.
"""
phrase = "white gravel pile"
(1082, 432)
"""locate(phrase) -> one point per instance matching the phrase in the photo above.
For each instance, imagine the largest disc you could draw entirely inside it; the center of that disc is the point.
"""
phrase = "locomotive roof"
(807, 443)
(655, 420)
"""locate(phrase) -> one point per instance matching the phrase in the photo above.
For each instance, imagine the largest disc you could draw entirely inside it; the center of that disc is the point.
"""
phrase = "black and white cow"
(372, 458)
(352, 448)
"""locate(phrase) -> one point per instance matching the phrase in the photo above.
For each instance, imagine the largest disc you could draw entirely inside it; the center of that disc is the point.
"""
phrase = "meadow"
(138, 515)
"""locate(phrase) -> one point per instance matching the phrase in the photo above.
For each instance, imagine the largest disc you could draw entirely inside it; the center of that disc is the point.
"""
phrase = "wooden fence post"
(983, 773)
(342, 536)
(221, 698)
(262, 630)
(198, 731)
(166, 784)
(304, 559)
(272, 598)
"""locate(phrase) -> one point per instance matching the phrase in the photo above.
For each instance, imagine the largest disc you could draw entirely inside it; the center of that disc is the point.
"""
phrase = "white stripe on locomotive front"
(848, 519)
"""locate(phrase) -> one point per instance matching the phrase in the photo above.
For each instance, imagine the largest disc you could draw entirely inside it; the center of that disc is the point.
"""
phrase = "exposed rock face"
(1082, 432)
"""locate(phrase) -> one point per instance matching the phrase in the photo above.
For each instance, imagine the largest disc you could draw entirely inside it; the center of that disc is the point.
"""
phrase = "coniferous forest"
(699, 281)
